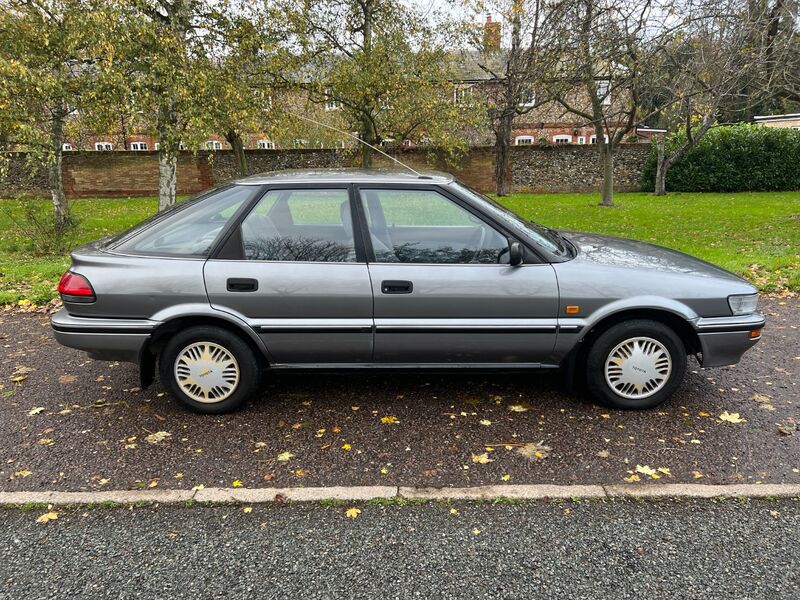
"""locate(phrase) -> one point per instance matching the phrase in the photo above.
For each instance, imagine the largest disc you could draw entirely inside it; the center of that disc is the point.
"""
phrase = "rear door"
(292, 270)
(444, 291)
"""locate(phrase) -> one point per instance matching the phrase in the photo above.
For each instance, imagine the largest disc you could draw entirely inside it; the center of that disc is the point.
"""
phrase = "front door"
(443, 289)
(294, 275)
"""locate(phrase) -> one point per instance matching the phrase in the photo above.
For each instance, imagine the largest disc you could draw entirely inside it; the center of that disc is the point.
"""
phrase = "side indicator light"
(755, 333)
(572, 309)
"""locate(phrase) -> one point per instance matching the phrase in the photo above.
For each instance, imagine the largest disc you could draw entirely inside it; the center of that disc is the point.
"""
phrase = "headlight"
(743, 305)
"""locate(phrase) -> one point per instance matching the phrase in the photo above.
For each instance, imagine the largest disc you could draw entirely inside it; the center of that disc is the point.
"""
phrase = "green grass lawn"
(753, 234)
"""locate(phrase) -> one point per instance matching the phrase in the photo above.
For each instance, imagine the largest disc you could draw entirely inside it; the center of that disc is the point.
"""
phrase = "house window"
(213, 145)
(138, 145)
(387, 142)
(462, 94)
(156, 146)
(523, 140)
(66, 147)
(527, 99)
(330, 103)
(181, 146)
(103, 146)
(604, 91)
(408, 143)
(593, 139)
(581, 139)
(266, 145)
(796, 128)
(562, 139)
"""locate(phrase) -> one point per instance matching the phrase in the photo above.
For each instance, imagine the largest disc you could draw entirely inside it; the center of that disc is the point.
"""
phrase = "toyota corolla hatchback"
(356, 269)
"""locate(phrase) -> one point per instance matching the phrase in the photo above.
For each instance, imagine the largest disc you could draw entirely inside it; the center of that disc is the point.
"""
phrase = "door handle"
(238, 284)
(397, 287)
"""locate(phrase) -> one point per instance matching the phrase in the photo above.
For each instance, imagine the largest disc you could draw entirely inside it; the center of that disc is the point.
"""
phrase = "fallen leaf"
(631, 479)
(731, 417)
(67, 379)
(697, 474)
(35, 411)
(481, 459)
(46, 441)
(285, 456)
(702, 413)
(47, 517)
(645, 470)
(453, 511)
(476, 531)
(603, 454)
(486, 422)
(23, 473)
(352, 513)
(506, 477)
(533, 451)
(389, 419)
(158, 436)
(518, 408)
(346, 447)
(237, 483)
(247, 510)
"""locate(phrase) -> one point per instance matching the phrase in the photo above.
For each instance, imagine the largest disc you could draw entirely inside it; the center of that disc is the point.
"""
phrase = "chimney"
(491, 35)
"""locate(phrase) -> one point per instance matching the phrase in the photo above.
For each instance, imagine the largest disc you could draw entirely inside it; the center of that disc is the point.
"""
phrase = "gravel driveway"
(70, 423)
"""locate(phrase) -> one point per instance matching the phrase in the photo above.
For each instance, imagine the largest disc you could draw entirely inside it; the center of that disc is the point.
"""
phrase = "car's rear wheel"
(635, 364)
(209, 369)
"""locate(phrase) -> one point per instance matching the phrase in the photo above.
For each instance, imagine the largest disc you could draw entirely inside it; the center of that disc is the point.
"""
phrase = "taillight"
(75, 288)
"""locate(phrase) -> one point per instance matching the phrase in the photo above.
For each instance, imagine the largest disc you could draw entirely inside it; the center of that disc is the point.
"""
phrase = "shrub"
(739, 158)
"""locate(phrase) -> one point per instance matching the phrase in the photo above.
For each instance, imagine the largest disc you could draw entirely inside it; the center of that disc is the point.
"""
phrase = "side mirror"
(515, 254)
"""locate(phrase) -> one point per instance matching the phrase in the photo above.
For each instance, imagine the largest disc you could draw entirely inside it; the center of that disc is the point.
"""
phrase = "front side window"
(312, 225)
(523, 140)
(424, 226)
(190, 230)
(103, 146)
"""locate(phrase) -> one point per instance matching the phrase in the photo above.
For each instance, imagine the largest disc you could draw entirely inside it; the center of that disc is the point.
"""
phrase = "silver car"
(353, 269)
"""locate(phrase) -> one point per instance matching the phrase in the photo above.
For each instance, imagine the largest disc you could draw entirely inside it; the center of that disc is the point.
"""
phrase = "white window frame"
(593, 139)
(139, 146)
(529, 100)
(157, 146)
(796, 127)
(524, 140)
(330, 103)
(103, 146)
(604, 90)
(461, 92)
(66, 147)
(213, 145)
(265, 145)
(562, 139)
(582, 139)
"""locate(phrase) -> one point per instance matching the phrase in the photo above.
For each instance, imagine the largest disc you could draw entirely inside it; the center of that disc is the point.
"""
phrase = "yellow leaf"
(506, 477)
(631, 479)
(731, 417)
(703, 414)
(453, 511)
(664, 470)
(285, 456)
(645, 470)
(158, 436)
(697, 474)
(384, 470)
(352, 513)
(486, 422)
(320, 433)
(238, 483)
(47, 517)
(481, 459)
(297, 426)
(198, 487)
(389, 419)
(518, 408)
(476, 531)
(35, 410)
(605, 416)
(103, 481)
(23, 473)
(346, 447)
(247, 510)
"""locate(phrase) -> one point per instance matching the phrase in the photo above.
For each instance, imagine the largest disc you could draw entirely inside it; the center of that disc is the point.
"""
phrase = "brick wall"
(561, 168)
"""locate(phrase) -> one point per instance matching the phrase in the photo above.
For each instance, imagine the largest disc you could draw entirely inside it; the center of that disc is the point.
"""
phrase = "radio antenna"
(355, 137)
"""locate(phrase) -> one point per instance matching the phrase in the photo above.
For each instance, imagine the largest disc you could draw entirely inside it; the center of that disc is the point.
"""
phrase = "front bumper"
(103, 339)
(723, 340)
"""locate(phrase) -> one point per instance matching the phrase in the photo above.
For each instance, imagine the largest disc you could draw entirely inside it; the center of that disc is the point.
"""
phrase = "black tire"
(248, 364)
(617, 334)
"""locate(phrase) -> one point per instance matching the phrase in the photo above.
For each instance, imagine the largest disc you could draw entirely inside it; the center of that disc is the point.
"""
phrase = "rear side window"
(190, 231)
(312, 225)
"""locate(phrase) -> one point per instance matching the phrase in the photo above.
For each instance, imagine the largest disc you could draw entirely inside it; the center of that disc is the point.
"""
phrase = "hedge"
(739, 158)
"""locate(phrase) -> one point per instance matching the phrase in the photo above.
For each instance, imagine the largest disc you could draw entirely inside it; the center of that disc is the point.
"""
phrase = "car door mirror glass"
(515, 254)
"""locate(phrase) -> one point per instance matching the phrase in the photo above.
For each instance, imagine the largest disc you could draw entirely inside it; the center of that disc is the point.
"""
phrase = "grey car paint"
(334, 314)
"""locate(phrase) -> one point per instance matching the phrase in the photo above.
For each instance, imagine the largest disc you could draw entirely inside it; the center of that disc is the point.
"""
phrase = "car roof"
(347, 176)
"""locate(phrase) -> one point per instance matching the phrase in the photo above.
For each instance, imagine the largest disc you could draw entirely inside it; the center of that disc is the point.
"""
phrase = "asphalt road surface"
(70, 423)
(619, 549)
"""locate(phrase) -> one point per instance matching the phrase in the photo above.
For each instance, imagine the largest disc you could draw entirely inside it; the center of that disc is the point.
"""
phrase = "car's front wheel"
(209, 369)
(635, 364)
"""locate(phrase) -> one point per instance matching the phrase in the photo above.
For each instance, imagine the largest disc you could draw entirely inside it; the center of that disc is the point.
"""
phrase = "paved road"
(70, 423)
(593, 550)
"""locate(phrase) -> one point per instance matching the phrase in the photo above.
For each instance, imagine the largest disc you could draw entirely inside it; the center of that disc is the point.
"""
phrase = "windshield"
(547, 238)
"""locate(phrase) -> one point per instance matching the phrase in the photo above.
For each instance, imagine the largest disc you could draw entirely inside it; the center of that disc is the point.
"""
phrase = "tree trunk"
(661, 169)
(235, 140)
(55, 175)
(502, 158)
(608, 175)
(167, 176)
(366, 151)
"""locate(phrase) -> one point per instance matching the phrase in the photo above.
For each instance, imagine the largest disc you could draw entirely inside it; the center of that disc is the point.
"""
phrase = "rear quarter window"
(188, 231)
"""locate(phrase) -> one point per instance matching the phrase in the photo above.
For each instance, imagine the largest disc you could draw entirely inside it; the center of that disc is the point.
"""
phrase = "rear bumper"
(103, 339)
(723, 340)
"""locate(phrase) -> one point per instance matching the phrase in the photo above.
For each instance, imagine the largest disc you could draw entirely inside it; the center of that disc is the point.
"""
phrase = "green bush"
(740, 158)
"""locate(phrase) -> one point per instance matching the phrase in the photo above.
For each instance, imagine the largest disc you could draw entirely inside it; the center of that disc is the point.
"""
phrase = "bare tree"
(516, 64)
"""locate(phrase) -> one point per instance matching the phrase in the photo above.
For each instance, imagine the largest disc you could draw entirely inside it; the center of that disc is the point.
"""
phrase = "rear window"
(187, 230)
